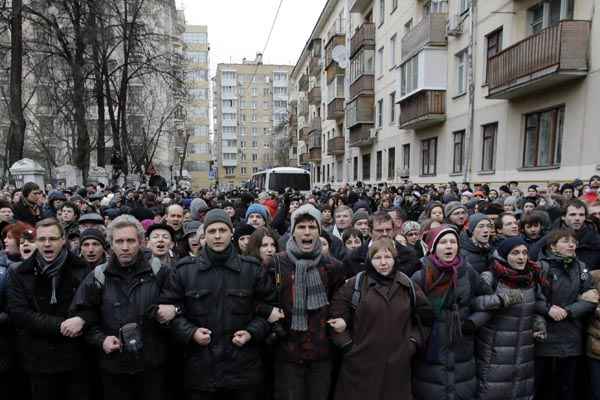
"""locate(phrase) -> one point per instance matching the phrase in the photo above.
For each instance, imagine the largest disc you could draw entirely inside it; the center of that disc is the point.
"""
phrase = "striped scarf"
(51, 270)
(309, 292)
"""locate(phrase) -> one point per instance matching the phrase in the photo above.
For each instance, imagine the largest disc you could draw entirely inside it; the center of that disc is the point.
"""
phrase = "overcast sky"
(239, 28)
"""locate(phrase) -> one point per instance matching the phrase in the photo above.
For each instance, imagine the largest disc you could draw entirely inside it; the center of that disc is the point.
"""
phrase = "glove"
(511, 297)
(468, 327)
(539, 328)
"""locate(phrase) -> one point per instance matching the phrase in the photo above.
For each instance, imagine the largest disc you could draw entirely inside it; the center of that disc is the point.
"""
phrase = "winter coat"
(314, 343)
(445, 370)
(222, 299)
(407, 261)
(564, 338)
(479, 258)
(27, 213)
(593, 332)
(43, 349)
(337, 250)
(6, 333)
(384, 338)
(505, 344)
(128, 295)
(588, 243)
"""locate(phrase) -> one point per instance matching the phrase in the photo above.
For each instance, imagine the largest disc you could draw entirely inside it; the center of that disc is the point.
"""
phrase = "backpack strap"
(356, 294)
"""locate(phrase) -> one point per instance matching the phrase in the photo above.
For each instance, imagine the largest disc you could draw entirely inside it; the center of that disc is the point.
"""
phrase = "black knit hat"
(95, 234)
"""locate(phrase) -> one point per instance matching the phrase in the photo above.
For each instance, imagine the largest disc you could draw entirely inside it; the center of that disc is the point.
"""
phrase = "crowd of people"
(365, 292)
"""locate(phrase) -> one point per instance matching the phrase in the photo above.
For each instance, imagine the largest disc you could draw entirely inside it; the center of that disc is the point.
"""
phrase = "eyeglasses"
(52, 239)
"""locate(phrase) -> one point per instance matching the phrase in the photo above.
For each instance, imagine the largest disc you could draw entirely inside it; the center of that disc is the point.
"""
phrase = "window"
(254, 170)
(366, 167)
(229, 171)
(328, 173)
(228, 103)
(379, 166)
(362, 64)
(543, 138)
(254, 156)
(253, 92)
(380, 61)
(393, 50)
(535, 16)
(464, 6)
(494, 45)
(406, 159)
(380, 113)
(391, 163)
(394, 5)
(195, 37)
(461, 72)
(458, 147)
(409, 73)
(242, 144)
(381, 12)
(203, 130)
(242, 131)
(243, 170)
(355, 168)
(318, 173)
(243, 156)
(197, 57)
(228, 75)
(428, 156)
(488, 146)
(392, 108)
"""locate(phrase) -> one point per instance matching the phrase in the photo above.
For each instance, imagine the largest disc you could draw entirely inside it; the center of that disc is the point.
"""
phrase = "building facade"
(250, 104)
(438, 91)
(196, 144)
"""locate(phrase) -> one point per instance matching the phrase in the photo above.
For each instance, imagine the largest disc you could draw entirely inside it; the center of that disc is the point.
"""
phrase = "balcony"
(314, 66)
(361, 136)
(423, 109)
(335, 109)
(360, 6)
(431, 31)
(363, 38)
(363, 86)
(314, 155)
(555, 55)
(314, 140)
(335, 146)
(303, 83)
(314, 96)
(229, 163)
(337, 38)
(360, 111)
(315, 125)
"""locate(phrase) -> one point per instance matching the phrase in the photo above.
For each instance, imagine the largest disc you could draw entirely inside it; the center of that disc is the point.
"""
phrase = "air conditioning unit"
(454, 26)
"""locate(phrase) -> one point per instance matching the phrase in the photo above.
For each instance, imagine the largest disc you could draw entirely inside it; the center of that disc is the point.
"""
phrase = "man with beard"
(40, 292)
(361, 222)
(93, 247)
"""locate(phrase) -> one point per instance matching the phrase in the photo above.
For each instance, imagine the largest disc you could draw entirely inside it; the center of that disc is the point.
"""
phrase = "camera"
(278, 332)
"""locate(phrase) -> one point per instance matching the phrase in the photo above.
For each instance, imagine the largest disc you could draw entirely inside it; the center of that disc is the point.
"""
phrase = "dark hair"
(576, 203)
(532, 218)
(73, 206)
(48, 222)
(28, 188)
(433, 205)
(325, 235)
(556, 234)
(348, 233)
(5, 204)
(381, 217)
(18, 230)
(256, 239)
(498, 223)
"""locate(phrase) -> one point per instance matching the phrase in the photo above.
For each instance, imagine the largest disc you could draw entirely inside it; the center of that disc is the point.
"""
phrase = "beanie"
(434, 235)
(257, 209)
(191, 227)
(358, 215)
(306, 209)
(453, 206)
(410, 226)
(474, 220)
(508, 244)
(217, 215)
(197, 206)
(95, 234)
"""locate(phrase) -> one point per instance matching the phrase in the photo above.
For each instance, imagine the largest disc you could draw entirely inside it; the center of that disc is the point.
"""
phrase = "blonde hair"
(382, 244)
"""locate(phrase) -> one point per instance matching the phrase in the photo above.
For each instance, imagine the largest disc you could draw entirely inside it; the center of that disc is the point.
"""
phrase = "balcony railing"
(423, 109)
(365, 85)
(335, 109)
(360, 111)
(315, 125)
(556, 54)
(314, 140)
(303, 83)
(314, 66)
(314, 96)
(360, 136)
(335, 146)
(336, 40)
(364, 37)
(431, 31)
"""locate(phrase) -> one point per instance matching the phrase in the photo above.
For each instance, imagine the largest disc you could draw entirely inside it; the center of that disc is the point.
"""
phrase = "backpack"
(100, 277)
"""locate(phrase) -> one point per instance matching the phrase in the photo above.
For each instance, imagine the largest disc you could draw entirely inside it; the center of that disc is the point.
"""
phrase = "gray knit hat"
(95, 234)
(410, 226)
(306, 209)
(358, 215)
(217, 215)
(453, 206)
(474, 220)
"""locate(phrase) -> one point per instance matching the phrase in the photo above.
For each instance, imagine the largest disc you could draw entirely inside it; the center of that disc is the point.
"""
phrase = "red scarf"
(515, 279)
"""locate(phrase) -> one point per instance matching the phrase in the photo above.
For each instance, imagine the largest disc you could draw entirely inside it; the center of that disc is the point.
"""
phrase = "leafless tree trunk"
(16, 133)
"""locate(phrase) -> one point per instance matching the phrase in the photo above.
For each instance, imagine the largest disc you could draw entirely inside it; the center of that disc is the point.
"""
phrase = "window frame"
(429, 142)
(556, 137)
(458, 139)
(499, 34)
(491, 138)
(391, 175)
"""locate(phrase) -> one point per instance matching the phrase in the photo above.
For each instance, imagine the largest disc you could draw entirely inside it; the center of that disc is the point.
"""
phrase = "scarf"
(219, 259)
(517, 279)
(377, 277)
(567, 260)
(309, 292)
(51, 269)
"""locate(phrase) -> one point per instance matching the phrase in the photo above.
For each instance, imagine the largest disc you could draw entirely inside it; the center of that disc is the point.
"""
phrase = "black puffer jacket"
(406, 260)
(224, 300)
(446, 370)
(505, 344)
(564, 338)
(128, 295)
(6, 333)
(479, 258)
(39, 342)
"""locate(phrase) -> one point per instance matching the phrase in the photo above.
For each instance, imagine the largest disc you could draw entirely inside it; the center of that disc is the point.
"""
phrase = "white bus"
(277, 179)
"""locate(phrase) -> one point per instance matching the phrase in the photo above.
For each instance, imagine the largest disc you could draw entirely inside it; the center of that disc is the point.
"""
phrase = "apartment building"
(250, 101)
(196, 143)
(436, 91)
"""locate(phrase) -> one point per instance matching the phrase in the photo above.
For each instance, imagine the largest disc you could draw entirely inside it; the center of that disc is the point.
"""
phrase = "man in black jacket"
(119, 302)
(219, 325)
(27, 209)
(39, 294)
(383, 227)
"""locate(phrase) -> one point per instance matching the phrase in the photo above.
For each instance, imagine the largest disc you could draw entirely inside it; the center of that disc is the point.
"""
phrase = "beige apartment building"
(435, 91)
(196, 143)
(250, 101)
